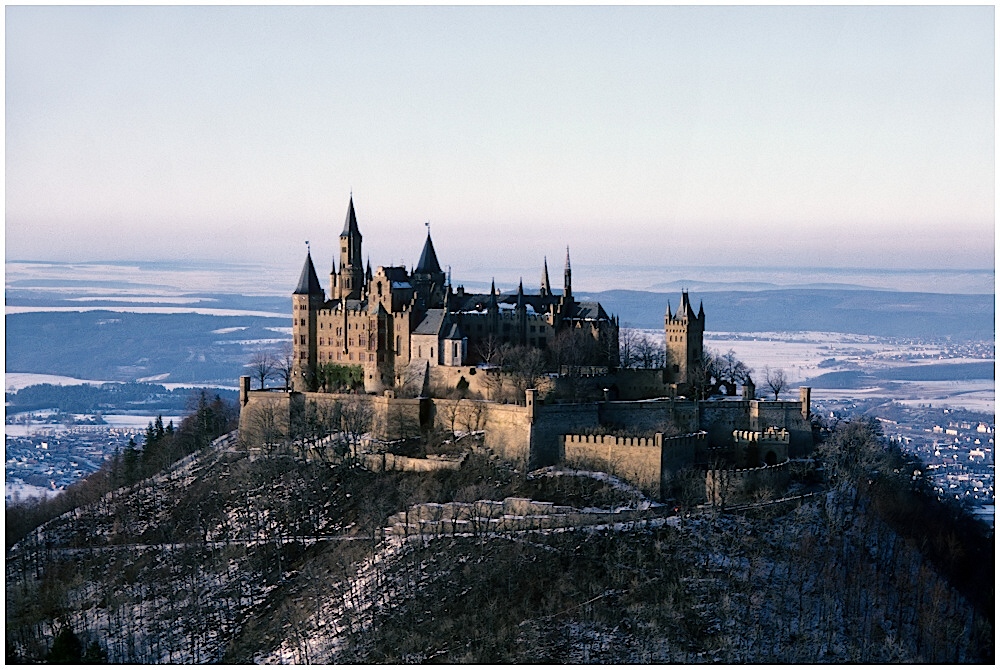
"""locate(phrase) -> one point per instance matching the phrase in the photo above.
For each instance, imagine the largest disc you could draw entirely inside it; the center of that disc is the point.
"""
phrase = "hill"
(227, 557)
(864, 312)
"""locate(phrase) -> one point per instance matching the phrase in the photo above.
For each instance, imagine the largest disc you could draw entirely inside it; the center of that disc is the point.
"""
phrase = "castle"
(395, 324)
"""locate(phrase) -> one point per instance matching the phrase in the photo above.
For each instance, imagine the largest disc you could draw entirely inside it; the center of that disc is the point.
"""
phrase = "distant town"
(956, 445)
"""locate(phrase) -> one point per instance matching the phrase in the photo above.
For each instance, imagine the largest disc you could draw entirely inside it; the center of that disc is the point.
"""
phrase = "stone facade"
(396, 324)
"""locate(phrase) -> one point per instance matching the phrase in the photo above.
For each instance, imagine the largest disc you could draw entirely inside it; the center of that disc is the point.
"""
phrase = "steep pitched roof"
(351, 222)
(428, 263)
(431, 324)
(308, 281)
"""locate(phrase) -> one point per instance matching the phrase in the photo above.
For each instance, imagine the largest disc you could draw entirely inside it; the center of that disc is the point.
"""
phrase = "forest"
(227, 556)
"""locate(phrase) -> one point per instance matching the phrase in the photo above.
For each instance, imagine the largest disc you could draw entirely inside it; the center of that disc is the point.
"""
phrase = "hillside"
(224, 557)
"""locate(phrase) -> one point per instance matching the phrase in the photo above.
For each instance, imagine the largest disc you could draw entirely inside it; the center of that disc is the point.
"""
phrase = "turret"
(545, 290)
(307, 300)
(428, 278)
(352, 274)
(684, 336)
(567, 278)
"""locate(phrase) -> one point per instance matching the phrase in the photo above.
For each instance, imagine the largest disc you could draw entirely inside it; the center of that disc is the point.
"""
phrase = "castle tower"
(684, 335)
(307, 299)
(352, 274)
(428, 278)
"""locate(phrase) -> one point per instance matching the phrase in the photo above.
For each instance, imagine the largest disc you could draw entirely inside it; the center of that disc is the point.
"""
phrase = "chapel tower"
(348, 282)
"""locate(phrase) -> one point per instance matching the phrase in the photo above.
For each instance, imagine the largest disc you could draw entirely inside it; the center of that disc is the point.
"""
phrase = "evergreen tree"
(66, 648)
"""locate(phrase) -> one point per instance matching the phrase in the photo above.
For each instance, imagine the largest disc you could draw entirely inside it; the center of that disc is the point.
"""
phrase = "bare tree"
(649, 354)
(527, 366)
(262, 366)
(775, 380)
(283, 365)
(627, 341)
(488, 349)
(264, 427)
(356, 416)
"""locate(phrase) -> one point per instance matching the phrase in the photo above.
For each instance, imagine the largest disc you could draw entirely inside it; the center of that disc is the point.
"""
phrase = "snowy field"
(15, 381)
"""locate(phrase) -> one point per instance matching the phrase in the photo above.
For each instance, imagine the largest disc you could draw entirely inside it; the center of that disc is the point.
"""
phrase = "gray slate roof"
(308, 281)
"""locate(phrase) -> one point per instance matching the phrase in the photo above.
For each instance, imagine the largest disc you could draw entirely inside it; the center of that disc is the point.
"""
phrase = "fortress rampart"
(538, 434)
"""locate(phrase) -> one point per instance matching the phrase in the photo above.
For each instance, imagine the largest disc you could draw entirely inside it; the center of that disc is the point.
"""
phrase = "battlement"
(772, 434)
(613, 441)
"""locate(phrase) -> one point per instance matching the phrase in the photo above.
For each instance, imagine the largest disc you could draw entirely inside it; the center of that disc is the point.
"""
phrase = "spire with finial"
(428, 263)
(308, 281)
(520, 294)
(546, 290)
(493, 294)
(567, 277)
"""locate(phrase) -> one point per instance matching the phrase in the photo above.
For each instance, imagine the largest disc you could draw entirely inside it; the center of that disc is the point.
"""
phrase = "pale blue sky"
(844, 136)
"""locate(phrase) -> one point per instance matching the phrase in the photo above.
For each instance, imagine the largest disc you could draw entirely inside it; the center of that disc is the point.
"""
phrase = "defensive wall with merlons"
(531, 433)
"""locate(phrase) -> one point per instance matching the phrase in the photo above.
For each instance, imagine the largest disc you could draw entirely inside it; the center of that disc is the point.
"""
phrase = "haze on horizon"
(803, 136)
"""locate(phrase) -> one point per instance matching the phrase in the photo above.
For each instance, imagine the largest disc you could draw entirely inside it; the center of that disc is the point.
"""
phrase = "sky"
(675, 136)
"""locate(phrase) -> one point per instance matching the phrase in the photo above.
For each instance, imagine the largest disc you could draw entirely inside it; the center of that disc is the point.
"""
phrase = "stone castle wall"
(649, 463)
(533, 434)
(729, 487)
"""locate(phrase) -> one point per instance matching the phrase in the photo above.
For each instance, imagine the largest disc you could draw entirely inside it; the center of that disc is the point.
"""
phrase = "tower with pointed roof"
(428, 277)
(347, 283)
(307, 299)
(684, 334)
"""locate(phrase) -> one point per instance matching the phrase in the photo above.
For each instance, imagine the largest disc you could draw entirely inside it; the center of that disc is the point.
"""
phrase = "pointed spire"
(351, 222)
(546, 289)
(520, 294)
(368, 271)
(308, 281)
(493, 294)
(567, 277)
(428, 263)
(701, 309)
(669, 313)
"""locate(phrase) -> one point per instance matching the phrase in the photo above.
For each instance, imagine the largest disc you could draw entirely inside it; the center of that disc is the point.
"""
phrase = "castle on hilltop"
(396, 324)
(432, 358)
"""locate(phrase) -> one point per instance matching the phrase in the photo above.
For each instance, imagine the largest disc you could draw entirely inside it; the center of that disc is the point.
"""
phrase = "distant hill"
(124, 346)
(865, 312)
(210, 349)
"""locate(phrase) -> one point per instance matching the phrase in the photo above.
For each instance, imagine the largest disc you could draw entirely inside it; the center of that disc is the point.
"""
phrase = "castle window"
(321, 342)
(371, 358)
(302, 339)
(302, 355)
(302, 322)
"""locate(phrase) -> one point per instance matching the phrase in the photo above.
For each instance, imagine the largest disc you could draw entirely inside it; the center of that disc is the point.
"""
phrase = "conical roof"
(351, 222)
(308, 281)
(428, 263)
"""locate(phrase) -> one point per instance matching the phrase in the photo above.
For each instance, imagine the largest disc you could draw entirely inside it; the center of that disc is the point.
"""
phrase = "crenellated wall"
(728, 487)
(649, 463)
(533, 433)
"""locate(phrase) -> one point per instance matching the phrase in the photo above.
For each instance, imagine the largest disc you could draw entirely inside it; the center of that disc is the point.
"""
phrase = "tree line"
(209, 418)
